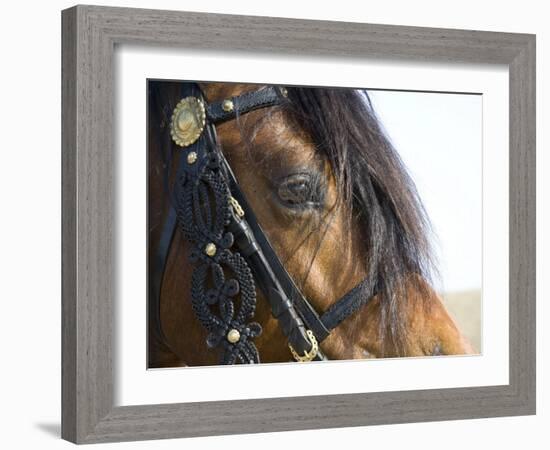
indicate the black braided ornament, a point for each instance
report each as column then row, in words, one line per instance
column 223, row 294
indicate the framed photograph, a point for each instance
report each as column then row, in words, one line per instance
column 268, row 222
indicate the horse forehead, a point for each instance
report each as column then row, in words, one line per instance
column 266, row 139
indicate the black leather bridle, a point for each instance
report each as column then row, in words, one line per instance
column 230, row 252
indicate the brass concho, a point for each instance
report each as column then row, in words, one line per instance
column 188, row 121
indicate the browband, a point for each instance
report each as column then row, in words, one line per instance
column 225, row 219
column 230, row 108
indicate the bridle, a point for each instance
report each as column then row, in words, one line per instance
column 230, row 252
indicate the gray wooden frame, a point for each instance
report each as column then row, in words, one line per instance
column 89, row 36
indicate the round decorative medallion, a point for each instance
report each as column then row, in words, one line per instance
column 188, row 121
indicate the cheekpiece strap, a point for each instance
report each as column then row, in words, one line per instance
column 223, row 293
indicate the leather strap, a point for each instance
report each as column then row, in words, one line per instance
column 282, row 307
column 350, row 303
column 167, row 234
column 242, row 104
column 155, row 286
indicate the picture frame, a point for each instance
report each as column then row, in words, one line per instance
column 89, row 37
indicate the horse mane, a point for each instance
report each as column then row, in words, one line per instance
column 381, row 197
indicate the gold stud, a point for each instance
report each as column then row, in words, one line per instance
column 210, row 249
column 191, row 157
column 233, row 336
column 227, row 105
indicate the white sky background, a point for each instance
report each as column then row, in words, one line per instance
column 439, row 138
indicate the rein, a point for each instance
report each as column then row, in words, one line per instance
column 230, row 252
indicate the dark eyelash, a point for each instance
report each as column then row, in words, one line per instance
column 301, row 191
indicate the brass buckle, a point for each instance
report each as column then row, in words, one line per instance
column 308, row 356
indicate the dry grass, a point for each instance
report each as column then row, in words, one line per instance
column 465, row 307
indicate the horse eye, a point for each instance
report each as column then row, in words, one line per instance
column 300, row 191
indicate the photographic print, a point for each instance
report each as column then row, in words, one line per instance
column 239, row 229
column 298, row 224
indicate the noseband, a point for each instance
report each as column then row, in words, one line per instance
column 230, row 252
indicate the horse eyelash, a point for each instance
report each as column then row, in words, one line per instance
column 316, row 191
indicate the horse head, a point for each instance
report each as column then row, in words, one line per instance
column 339, row 209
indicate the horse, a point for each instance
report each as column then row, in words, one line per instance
column 337, row 205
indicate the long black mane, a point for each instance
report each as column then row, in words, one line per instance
column 373, row 181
